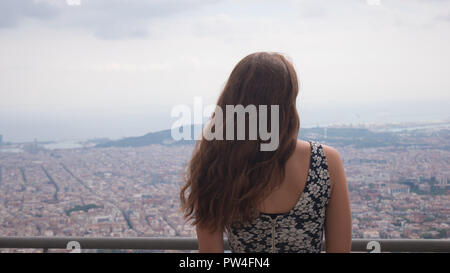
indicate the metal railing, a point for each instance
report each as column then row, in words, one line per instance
column 186, row 244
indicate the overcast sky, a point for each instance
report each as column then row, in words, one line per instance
column 131, row 61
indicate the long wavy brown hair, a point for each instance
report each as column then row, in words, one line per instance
column 226, row 180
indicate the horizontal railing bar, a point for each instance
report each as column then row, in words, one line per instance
column 153, row 243
column 188, row 243
column 404, row 245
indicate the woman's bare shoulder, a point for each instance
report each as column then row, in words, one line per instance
column 302, row 149
column 331, row 154
column 302, row 143
column 334, row 161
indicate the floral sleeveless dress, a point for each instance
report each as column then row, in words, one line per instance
column 299, row 230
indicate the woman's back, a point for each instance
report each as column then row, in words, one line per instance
column 230, row 175
column 310, row 202
column 292, row 218
column 289, row 192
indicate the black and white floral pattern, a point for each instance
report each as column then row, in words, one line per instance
column 301, row 229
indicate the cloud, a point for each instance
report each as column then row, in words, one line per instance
column 122, row 19
column 108, row 19
column 443, row 17
column 12, row 12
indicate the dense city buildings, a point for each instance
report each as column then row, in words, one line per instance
column 396, row 191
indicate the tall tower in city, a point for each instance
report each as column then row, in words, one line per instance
column 1, row 139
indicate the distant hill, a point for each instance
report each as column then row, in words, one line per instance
column 359, row 137
column 160, row 137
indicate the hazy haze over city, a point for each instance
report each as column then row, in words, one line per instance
column 102, row 68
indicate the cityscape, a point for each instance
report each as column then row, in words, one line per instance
column 399, row 188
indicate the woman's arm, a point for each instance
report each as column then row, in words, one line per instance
column 338, row 222
column 209, row 242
